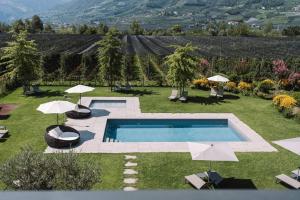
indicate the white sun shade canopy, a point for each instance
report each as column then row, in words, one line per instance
column 212, row 152
column 218, row 78
column 56, row 107
column 292, row 145
column 80, row 89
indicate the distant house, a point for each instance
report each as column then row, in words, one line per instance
column 233, row 22
column 254, row 22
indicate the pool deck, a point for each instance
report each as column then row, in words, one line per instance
column 92, row 130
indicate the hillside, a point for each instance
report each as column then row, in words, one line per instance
column 14, row 9
column 162, row 13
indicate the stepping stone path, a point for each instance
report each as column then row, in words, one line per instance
column 130, row 174
column 130, row 164
column 130, row 180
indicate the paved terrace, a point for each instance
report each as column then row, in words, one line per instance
column 92, row 130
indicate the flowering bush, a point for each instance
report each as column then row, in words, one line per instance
column 284, row 101
column 285, row 84
column 231, row 86
column 201, row 83
column 245, row 88
column 280, row 69
column 266, row 85
column 294, row 78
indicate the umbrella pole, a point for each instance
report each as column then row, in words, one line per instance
column 57, row 119
column 80, row 98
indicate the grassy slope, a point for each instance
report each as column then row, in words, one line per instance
column 165, row 170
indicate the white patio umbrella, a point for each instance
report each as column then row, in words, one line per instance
column 79, row 89
column 212, row 152
column 292, row 145
column 219, row 79
column 56, row 107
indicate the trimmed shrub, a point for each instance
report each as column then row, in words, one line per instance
column 231, row 87
column 245, row 88
column 202, row 83
column 266, row 86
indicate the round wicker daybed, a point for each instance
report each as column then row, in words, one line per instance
column 59, row 136
column 80, row 112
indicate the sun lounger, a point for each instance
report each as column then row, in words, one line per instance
column 212, row 177
column 288, row 180
column 195, row 181
column 216, row 92
column 184, row 97
column 174, row 95
column 3, row 131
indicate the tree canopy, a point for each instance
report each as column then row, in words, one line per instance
column 21, row 59
column 110, row 58
column 182, row 66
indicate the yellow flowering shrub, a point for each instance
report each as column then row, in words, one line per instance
column 244, row 86
column 266, row 85
column 284, row 101
column 231, row 86
column 203, row 82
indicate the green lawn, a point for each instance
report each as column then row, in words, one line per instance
column 164, row 170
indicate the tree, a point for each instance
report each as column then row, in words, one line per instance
column 18, row 26
column 131, row 70
column 102, row 29
column 176, row 29
column 4, row 27
column 136, row 29
column 110, row 59
column 37, row 24
column 48, row 28
column 182, row 66
column 28, row 26
column 268, row 28
column 22, row 59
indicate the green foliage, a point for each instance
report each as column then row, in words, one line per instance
column 110, row 59
column 136, row 29
column 182, row 66
column 18, row 26
column 37, row 24
column 31, row 170
column 22, row 59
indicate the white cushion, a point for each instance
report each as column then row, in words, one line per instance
column 56, row 132
column 69, row 136
column 76, row 107
column 83, row 110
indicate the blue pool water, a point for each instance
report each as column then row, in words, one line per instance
column 170, row 130
column 100, row 104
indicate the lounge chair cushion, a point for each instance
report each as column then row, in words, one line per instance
column 68, row 136
column 59, row 134
column 56, row 132
column 81, row 110
column 196, row 181
column 288, row 180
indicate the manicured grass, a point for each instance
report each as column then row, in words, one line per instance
column 164, row 170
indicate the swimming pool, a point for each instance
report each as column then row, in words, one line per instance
column 171, row 130
column 100, row 104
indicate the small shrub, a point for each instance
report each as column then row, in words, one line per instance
column 296, row 96
column 202, row 83
column 284, row 101
column 30, row 170
column 288, row 102
column 231, row 87
column 245, row 88
column 266, row 86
